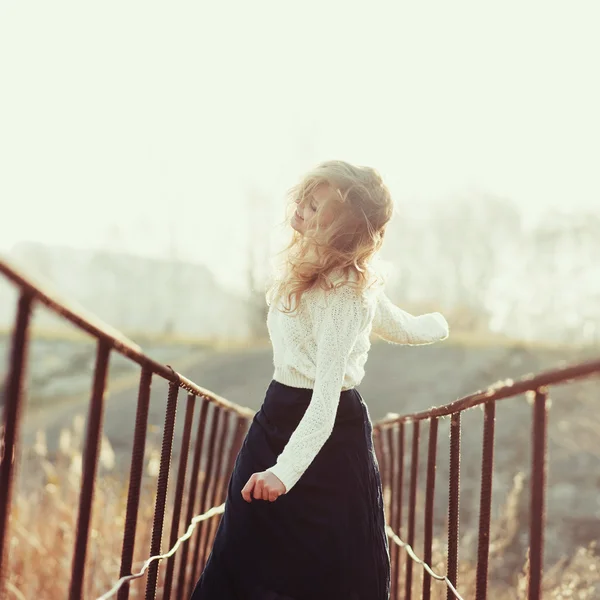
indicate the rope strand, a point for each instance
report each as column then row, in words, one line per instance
column 216, row 510
column 412, row 554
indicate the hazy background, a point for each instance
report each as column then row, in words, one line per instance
column 173, row 130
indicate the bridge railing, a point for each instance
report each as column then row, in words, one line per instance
column 221, row 426
column 392, row 450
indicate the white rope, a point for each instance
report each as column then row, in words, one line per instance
column 217, row 510
column 412, row 554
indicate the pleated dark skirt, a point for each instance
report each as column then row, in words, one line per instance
column 323, row 540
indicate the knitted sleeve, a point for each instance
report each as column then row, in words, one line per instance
column 336, row 328
column 400, row 327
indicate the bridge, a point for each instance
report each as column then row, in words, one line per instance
column 213, row 431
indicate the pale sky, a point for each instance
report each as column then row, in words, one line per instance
column 162, row 115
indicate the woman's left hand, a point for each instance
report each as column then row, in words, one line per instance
column 263, row 486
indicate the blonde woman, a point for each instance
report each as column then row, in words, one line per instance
column 304, row 516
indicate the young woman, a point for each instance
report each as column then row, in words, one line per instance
column 304, row 517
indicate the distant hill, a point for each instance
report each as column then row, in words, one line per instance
column 131, row 293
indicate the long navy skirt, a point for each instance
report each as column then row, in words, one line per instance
column 323, row 540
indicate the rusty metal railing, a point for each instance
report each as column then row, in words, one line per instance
column 219, row 434
column 390, row 436
column 220, row 429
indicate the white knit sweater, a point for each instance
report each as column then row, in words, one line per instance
column 324, row 346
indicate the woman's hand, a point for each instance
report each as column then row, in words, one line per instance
column 263, row 486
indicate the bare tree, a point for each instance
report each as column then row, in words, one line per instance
column 258, row 260
column 457, row 256
column 177, row 284
column 563, row 276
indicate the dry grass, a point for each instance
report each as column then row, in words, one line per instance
column 43, row 522
column 70, row 333
column 459, row 337
column 44, row 519
column 576, row 578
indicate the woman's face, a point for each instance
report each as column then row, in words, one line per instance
column 308, row 207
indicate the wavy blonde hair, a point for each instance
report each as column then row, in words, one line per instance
column 344, row 235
